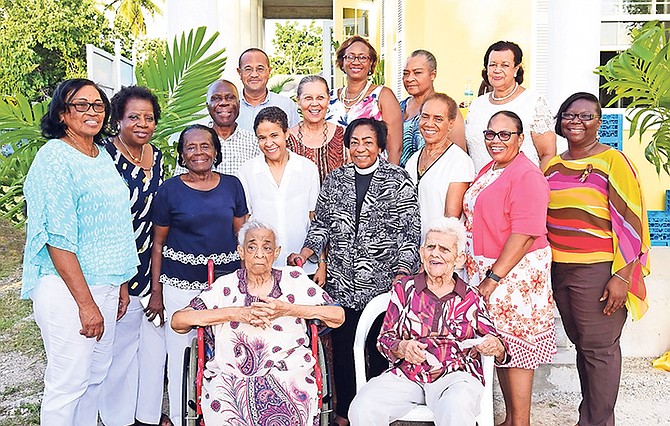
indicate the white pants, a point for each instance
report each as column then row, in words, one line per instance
column 76, row 365
column 174, row 300
column 138, row 364
column 453, row 398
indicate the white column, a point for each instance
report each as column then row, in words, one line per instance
column 574, row 48
column 239, row 23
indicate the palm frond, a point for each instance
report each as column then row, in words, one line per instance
column 180, row 79
column 642, row 74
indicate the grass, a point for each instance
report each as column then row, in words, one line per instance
column 11, row 248
column 19, row 404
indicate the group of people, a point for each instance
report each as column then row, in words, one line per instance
column 475, row 226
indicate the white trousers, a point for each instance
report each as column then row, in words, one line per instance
column 174, row 300
column 453, row 398
column 76, row 365
column 138, row 364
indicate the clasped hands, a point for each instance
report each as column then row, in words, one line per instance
column 414, row 351
column 261, row 314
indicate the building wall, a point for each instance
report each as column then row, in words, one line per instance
column 459, row 32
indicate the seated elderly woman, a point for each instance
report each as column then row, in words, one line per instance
column 429, row 317
column 262, row 371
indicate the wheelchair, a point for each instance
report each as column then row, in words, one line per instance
column 201, row 350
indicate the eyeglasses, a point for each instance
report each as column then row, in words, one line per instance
column 581, row 117
column 503, row 135
column 352, row 58
column 250, row 70
column 85, row 106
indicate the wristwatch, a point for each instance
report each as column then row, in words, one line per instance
column 491, row 275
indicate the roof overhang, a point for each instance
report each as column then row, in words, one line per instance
column 298, row 9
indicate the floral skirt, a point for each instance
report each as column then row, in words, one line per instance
column 522, row 307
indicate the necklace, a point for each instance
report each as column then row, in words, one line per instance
column 72, row 137
column 350, row 102
column 325, row 135
column 493, row 96
column 431, row 157
column 135, row 159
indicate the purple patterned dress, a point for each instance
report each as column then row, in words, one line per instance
column 260, row 376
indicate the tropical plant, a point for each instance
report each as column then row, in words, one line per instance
column 642, row 74
column 132, row 11
column 180, row 78
column 20, row 132
column 278, row 87
column 43, row 43
column 378, row 76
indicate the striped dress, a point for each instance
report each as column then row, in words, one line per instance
column 597, row 214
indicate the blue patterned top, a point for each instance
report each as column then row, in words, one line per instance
column 78, row 204
column 412, row 141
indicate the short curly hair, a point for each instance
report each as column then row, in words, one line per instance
column 273, row 114
column 120, row 101
column 213, row 136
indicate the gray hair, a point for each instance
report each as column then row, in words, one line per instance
column 430, row 58
column 447, row 226
column 311, row 79
column 255, row 224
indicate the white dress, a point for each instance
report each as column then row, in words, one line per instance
column 453, row 165
column 530, row 107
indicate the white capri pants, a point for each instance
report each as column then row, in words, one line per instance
column 174, row 300
column 453, row 398
column 76, row 365
column 133, row 388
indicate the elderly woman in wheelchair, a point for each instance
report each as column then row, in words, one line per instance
column 434, row 331
column 262, row 371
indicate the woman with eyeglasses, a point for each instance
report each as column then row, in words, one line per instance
column 598, row 231
column 509, row 258
column 80, row 251
column 360, row 98
column 504, row 73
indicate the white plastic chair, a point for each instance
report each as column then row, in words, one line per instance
column 420, row 413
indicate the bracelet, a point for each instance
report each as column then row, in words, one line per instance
column 622, row 279
column 322, row 260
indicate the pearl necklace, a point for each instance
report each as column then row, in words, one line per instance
column 493, row 96
column 353, row 101
column 136, row 160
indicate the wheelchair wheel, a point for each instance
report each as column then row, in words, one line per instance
column 327, row 387
column 188, row 405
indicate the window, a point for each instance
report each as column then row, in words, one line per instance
column 356, row 22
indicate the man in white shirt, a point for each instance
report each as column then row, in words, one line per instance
column 254, row 70
column 237, row 144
